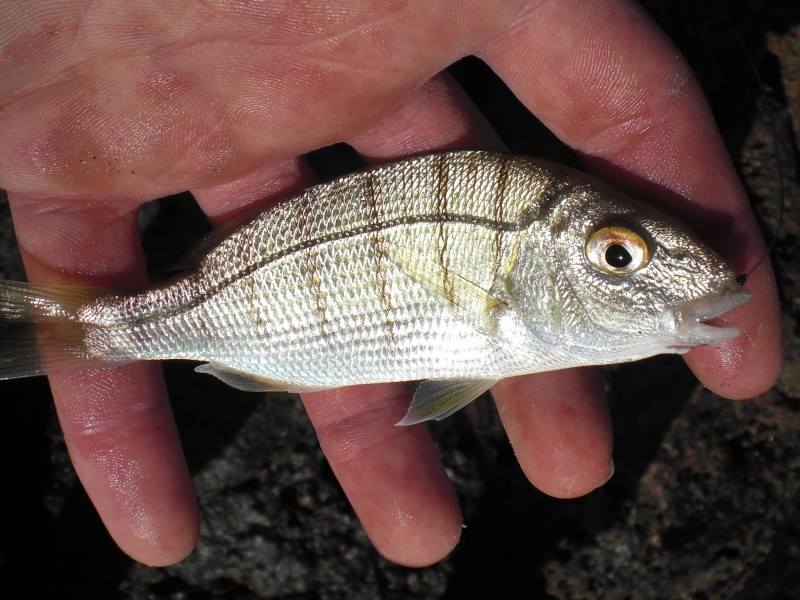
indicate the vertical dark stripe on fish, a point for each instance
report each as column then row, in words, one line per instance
column 304, row 210
column 442, row 190
column 251, row 293
column 542, row 204
column 378, row 242
column 499, row 206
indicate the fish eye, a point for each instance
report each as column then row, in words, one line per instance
column 617, row 250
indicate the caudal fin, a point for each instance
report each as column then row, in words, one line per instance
column 40, row 330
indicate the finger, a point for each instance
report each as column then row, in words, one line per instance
column 560, row 427
column 391, row 475
column 117, row 422
column 608, row 83
column 270, row 180
column 438, row 116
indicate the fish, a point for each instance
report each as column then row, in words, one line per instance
column 453, row 269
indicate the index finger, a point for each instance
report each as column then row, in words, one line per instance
column 609, row 83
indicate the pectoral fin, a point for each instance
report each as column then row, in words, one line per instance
column 436, row 400
column 468, row 300
column 248, row 382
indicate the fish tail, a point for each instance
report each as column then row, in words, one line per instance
column 40, row 329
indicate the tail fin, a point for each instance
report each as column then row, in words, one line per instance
column 40, row 330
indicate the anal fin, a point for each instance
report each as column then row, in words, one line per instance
column 248, row 382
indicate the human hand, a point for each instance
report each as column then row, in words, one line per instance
column 105, row 106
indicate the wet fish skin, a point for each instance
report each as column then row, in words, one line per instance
column 460, row 267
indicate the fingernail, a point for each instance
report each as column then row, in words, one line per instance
column 611, row 470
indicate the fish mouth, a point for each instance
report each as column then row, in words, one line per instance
column 696, row 319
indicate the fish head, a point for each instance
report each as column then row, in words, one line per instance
column 624, row 281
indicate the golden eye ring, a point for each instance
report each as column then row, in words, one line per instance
column 617, row 250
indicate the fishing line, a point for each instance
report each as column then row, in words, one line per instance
column 769, row 111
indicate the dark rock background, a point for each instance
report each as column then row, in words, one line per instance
column 705, row 502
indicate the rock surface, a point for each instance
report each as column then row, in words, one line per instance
column 704, row 503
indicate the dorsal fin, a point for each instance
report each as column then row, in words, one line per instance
column 206, row 244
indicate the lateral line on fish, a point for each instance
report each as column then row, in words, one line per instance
column 546, row 201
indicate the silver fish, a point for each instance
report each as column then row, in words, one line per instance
column 458, row 269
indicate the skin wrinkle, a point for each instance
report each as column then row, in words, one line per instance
column 369, row 33
column 407, row 129
column 639, row 115
column 69, row 239
column 108, row 28
column 15, row 88
column 102, row 420
column 228, row 199
column 348, row 439
column 299, row 20
column 603, row 135
column 91, row 412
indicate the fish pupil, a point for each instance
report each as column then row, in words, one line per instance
column 618, row 256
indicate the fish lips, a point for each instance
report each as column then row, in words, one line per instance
column 693, row 318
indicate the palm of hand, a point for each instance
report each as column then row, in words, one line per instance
column 108, row 107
